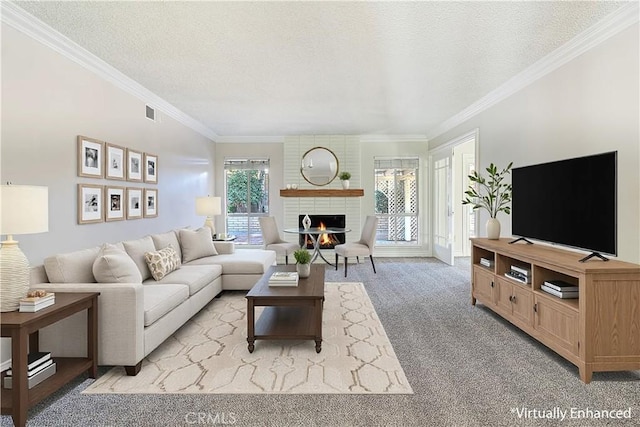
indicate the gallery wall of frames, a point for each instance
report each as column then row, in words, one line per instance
column 103, row 160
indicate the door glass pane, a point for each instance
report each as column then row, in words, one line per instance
column 396, row 201
column 247, row 194
column 440, row 198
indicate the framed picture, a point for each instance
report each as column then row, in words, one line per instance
column 150, row 203
column 134, row 203
column 150, row 168
column 134, row 165
column 90, row 204
column 114, row 203
column 90, row 157
column 114, row 161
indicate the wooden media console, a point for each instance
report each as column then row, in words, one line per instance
column 599, row 331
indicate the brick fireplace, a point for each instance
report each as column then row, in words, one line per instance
column 327, row 241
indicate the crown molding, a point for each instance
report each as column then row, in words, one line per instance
column 472, row 135
column 26, row 23
column 608, row 27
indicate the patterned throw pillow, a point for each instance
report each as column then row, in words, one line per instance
column 162, row 262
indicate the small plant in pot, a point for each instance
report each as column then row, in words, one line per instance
column 303, row 260
column 345, row 177
column 492, row 194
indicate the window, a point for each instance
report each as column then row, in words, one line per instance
column 247, row 195
column 396, row 201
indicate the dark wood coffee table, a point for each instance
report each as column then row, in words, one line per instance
column 291, row 313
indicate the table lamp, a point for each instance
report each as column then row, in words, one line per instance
column 208, row 206
column 24, row 209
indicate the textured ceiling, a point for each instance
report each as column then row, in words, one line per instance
column 281, row 68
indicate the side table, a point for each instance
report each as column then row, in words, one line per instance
column 23, row 329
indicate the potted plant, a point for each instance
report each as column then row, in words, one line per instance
column 303, row 259
column 345, row 177
column 492, row 194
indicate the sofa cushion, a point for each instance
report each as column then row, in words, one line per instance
column 73, row 267
column 169, row 238
column 162, row 262
column 136, row 250
column 114, row 265
column 242, row 261
column 161, row 299
column 196, row 244
column 195, row 277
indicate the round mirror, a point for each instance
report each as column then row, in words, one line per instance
column 319, row 166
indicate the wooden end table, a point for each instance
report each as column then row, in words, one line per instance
column 291, row 313
column 23, row 329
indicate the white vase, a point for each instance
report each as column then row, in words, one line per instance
column 304, row 270
column 345, row 184
column 306, row 222
column 493, row 229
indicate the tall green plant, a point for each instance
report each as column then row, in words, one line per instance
column 491, row 194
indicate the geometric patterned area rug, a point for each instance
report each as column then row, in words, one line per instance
column 209, row 354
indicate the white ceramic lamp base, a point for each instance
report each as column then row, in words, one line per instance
column 14, row 276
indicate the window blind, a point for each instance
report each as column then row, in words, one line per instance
column 396, row 163
column 251, row 164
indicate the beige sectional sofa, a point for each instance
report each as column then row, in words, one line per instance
column 149, row 287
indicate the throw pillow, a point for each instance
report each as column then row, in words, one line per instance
column 169, row 238
column 196, row 244
column 113, row 265
column 72, row 267
column 162, row 262
column 136, row 250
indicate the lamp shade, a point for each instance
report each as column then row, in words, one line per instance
column 208, row 206
column 24, row 209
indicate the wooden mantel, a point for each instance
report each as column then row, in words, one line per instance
column 356, row 192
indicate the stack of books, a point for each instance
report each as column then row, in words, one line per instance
column 487, row 262
column 284, row 278
column 560, row 289
column 33, row 304
column 522, row 275
column 40, row 366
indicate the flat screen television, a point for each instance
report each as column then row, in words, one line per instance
column 569, row 202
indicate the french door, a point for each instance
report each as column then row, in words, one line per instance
column 442, row 167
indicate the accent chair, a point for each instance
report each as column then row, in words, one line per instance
column 273, row 241
column 363, row 247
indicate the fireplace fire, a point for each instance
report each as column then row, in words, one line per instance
column 327, row 241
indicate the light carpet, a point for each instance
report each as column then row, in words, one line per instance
column 209, row 354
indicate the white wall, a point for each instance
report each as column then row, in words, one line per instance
column 47, row 101
column 590, row 105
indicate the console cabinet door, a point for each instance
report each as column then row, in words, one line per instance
column 483, row 285
column 503, row 292
column 556, row 323
column 522, row 304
